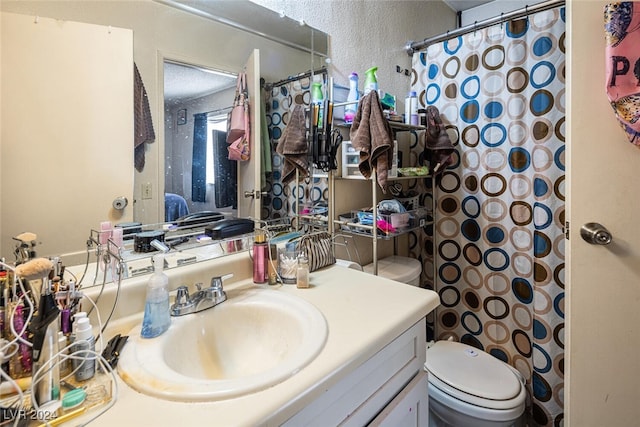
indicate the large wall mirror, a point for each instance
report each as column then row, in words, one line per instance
column 162, row 34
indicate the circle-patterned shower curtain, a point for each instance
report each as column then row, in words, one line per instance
column 499, row 236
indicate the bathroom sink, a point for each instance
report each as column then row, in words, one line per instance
column 254, row 340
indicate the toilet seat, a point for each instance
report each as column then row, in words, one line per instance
column 473, row 376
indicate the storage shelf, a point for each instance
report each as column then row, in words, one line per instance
column 366, row 230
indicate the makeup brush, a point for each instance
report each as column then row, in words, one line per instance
column 35, row 269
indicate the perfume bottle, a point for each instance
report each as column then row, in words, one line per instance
column 260, row 258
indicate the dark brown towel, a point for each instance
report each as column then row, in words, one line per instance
column 438, row 142
column 372, row 136
column 293, row 147
column 142, row 123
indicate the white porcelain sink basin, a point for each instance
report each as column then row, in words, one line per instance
column 254, row 340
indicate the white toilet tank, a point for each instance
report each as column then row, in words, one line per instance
column 399, row 268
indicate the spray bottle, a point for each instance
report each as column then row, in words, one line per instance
column 352, row 98
column 370, row 80
column 317, row 97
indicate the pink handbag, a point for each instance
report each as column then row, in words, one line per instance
column 236, row 120
column 240, row 149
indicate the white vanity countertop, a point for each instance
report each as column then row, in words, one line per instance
column 363, row 313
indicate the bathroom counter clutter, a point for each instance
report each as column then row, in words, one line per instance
column 363, row 314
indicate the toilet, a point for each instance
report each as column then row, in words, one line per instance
column 470, row 388
column 399, row 268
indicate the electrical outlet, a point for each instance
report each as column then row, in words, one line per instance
column 147, row 191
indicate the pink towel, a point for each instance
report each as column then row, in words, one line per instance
column 622, row 31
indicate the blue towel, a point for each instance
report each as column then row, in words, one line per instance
column 175, row 206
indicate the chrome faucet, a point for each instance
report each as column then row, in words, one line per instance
column 201, row 300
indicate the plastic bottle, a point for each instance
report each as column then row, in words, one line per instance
column 411, row 109
column 156, row 311
column 84, row 362
column 354, row 95
column 260, row 257
column 370, row 80
column 317, row 97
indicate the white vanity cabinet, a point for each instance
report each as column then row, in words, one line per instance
column 389, row 387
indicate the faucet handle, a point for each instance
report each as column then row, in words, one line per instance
column 182, row 296
column 216, row 282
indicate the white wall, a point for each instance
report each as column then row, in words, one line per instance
column 493, row 9
column 366, row 33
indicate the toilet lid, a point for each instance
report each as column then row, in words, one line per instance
column 472, row 371
column 399, row 268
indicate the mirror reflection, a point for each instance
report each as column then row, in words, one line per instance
column 180, row 36
column 199, row 177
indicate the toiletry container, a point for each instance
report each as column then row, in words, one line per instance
column 399, row 268
column 351, row 108
column 303, row 271
column 260, row 258
column 157, row 318
column 317, row 97
column 370, row 80
column 411, row 109
column 83, row 350
column 470, row 388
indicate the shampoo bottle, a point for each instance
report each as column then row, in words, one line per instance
column 83, row 350
column 370, row 80
column 156, row 310
column 352, row 98
column 411, row 109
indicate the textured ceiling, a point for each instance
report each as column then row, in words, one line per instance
column 461, row 5
column 185, row 82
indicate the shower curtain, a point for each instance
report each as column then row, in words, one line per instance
column 498, row 236
column 282, row 200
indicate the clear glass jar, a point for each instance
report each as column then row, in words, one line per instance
column 303, row 272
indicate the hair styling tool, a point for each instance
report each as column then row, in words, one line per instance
column 315, row 143
column 48, row 311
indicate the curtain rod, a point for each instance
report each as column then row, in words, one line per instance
column 412, row 47
column 219, row 110
column 297, row 77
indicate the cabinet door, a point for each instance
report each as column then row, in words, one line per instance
column 410, row 408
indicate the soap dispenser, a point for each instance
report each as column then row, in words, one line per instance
column 156, row 310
